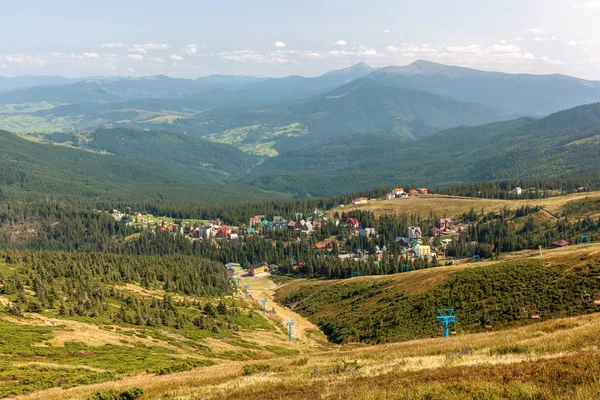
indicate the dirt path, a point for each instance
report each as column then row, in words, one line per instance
column 304, row 332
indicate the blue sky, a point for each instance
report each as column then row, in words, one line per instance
column 278, row 38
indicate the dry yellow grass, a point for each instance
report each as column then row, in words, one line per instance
column 305, row 333
column 571, row 338
column 90, row 334
column 452, row 206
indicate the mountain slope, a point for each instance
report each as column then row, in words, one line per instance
column 297, row 87
column 47, row 170
column 178, row 149
column 359, row 107
column 564, row 144
column 221, row 88
column 25, row 81
column 368, row 106
column 523, row 94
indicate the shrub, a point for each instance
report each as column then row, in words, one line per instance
column 251, row 369
column 129, row 394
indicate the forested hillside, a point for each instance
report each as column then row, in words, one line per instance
column 564, row 144
column 500, row 294
column 42, row 169
column 520, row 94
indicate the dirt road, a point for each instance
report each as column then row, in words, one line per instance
column 304, row 332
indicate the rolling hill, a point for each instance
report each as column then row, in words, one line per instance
column 361, row 106
column 189, row 173
column 561, row 145
column 520, row 94
column 231, row 88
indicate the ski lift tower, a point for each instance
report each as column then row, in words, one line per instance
column 290, row 324
column 446, row 316
column 246, row 287
column 264, row 306
column 239, row 285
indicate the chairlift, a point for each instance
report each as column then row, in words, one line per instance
column 453, row 332
column 585, row 297
column 488, row 324
column 536, row 314
column 597, row 299
column 524, row 313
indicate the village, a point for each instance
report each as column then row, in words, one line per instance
column 346, row 237
column 412, row 242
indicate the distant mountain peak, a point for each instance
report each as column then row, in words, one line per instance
column 425, row 67
column 356, row 70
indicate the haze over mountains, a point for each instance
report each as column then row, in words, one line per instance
column 348, row 129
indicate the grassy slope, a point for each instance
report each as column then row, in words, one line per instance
column 404, row 306
column 55, row 170
column 547, row 360
column 452, row 206
column 44, row 350
column 561, row 145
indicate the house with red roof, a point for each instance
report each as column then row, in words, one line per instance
column 254, row 221
column 352, row 224
column 222, row 232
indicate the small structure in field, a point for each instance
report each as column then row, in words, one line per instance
column 560, row 243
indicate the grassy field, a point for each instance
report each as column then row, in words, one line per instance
column 258, row 139
column 41, row 350
column 549, row 360
column 403, row 306
column 451, row 206
column 57, row 358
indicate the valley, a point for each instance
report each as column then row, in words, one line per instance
column 532, row 353
column 235, row 236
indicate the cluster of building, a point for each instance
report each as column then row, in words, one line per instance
column 259, row 224
column 400, row 193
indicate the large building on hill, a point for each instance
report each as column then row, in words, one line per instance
column 258, row 268
column 414, row 232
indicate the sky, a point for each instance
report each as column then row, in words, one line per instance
column 308, row 37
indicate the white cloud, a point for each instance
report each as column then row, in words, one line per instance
column 503, row 41
column 518, row 38
column 20, row 58
column 552, row 61
column 387, row 30
column 585, row 42
column 176, row 57
column 189, row 49
column 279, row 44
column 112, row 45
column 136, row 57
column 254, row 57
column 544, row 38
column 79, row 56
column 151, row 46
column 371, row 53
column 130, row 69
column 479, row 54
column 411, row 48
column 341, row 43
column 138, row 50
column 158, row 59
column 534, row 31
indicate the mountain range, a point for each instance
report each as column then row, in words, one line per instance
column 349, row 129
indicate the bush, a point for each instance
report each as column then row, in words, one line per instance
column 129, row 394
column 251, row 369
